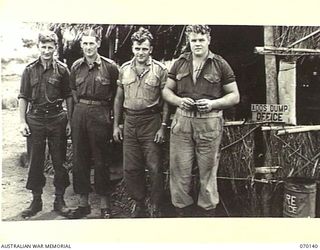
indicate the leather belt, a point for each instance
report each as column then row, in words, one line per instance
column 147, row 111
column 43, row 111
column 93, row 102
column 197, row 114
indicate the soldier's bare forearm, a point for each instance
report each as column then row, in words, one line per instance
column 117, row 108
column 23, row 105
column 165, row 113
column 69, row 102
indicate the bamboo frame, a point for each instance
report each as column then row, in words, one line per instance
column 283, row 51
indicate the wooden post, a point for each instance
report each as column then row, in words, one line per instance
column 270, row 67
column 271, row 98
column 271, row 83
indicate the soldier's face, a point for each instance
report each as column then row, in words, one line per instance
column 47, row 50
column 199, row 44
column 142, row 51
column 90, row 46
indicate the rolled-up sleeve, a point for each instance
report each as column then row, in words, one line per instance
column 114, row 73
column 25, row 87
column 119, row 81
column 228, row 75
column 114, row 76
column 173, row 71
column 163, row 78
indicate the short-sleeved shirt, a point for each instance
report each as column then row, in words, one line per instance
column 97, row 82
column 144, row 90
column 215, row 73
column 45, row 86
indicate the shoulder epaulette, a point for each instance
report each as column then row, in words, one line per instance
column 160, row 64
column 77, row 63
column 107, row 60
column 32, row 63
column 184, row 56
column 125, row 64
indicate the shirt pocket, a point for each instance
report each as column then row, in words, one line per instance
column 128, row 81
column 53, row 87
column 184, row 82
column 102, row 80
column 180, row 76
column 211, row 86
column 102, row 87
column 151, row 88
column 35, row 87
column 213, row 79
column 55, row 82
column 128, row 86
column 152, row 82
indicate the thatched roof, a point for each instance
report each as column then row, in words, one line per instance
column 302, row 37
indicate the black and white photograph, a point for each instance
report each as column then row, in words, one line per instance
column 189, row 122
column 160, row 121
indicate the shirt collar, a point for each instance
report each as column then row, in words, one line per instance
column 133, row 62
column 188, row 56
column 53, row 63
column 97, row 61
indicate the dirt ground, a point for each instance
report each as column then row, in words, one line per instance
column 15, row 197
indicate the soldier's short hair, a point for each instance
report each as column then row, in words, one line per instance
column 48, row 36
column 199, row 29
column 92, row 32
column 142, row 35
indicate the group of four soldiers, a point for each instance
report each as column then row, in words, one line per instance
column 200, row 84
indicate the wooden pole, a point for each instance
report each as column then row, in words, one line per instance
column 270, row 68
column 271, row 84
column 304, row 38
column 285, row 51
column 271, row 98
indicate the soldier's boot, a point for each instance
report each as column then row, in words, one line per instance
column 184, row 211
column 34, row 208
column 208, row 213
column 139, row 210
column 82, row 210
column 180, row 212
column 60, row 206
column 155, row 211
column 105, row 206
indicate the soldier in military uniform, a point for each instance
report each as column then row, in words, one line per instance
column 44, row 86
column 139, row 96
column 201, row 85
column 93, row 83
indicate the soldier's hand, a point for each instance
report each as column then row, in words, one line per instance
column 25, row 130
column 186, row 103
column 160, row 135
column 204, row 105
column 68, row 129
column 117, row 134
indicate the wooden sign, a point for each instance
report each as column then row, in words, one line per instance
column 270, row 113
